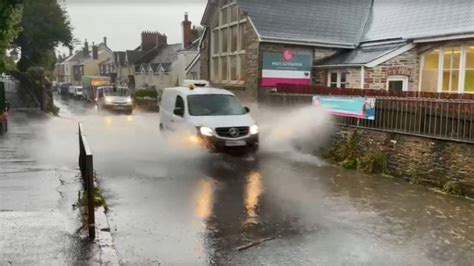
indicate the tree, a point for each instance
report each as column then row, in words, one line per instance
column 45, row 25
column 10, row 18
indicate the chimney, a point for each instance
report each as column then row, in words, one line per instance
column 86, row 47
column 71, row 51
column 162, row 40
column 187, row 38
column 95, row 52
column 149, row 40
column 105, row 41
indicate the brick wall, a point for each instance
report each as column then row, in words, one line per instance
column 420, row 160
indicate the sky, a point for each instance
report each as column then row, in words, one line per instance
column 122, row 21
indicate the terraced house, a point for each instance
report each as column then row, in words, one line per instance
column 399, row 45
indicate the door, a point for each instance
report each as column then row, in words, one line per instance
column 178, row 113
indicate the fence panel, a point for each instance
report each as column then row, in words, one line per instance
column 440, row 118
column 86, row 165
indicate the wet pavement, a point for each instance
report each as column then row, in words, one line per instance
column 38, row 188
column 172, row 203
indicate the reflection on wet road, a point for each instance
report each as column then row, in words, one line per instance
column 176, row 204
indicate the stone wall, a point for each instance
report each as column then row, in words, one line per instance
column 353, row 76
column 205, row 56
column 442, row 164
column 406, row 64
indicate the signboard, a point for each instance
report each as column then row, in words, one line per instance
column 358, row 107
column 290, row 67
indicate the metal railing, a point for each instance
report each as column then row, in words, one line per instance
column 86, row 164
column 447, row 119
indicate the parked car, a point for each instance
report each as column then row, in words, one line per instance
column 71, row 90
column 214, row 115
column 115, row 99
column 78, row 91
column 64, row 88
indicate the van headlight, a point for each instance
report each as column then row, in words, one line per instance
column 254, row 130
column 108, row 100
column 205, row 131
column 129, row 100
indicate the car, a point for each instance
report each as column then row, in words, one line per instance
column 214, row 115
column 78, row 91
column 115, row 99
column 71, row 90
column 63, row 88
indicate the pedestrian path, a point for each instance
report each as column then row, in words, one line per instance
column 38, row 222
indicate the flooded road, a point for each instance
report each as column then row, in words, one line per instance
column 176, row 204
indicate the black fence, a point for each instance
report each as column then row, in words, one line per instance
column 86, row 164
column 439, row 118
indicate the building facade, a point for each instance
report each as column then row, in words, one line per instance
column 251, row 46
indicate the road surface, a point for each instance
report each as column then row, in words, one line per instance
column 172, row 203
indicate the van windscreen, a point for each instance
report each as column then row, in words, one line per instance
column 214, row 105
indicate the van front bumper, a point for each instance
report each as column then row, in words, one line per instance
column 250, row 142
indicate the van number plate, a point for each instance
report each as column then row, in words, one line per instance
column 235, row 143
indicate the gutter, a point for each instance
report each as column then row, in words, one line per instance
column 307, row 43
column 444, row 38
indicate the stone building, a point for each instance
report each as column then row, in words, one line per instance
column 400, row 45
column 155, row 63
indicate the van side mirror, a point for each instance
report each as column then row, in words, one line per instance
column 247, row 110
column 178, row 111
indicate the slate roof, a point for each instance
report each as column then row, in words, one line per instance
column 133, row 56
column 167, row 54
column 360, row 56
column 414, row 19
column 347, row 23
column 323, row 22
column 79, row 56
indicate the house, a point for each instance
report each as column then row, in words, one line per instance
column 155, row 63
column 84, row 63
column 401, row 45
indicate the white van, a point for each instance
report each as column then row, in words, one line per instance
column 215, row 115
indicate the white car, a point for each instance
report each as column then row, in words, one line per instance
column 71, row 90
column 214, row 115
column 78, row 91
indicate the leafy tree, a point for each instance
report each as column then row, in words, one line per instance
column 45, row 26
column 10, row 18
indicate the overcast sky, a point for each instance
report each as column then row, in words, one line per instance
column 122, row 21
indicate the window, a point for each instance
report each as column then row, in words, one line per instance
column 397, row 83
column 228, row 50
column 338, row 79
column 179, row 105
column 214, row 105
column 448, row 69
column 469, row 76
column 429, row 74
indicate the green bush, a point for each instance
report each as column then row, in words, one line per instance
column 374, row 162
column 142, row 94
column 453, row 187
column 350, row 152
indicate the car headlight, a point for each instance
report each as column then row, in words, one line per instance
column 129, row 100
column 254, row 130
column 108, row 100
column 205, row 131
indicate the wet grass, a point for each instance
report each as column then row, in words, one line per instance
column 99, row 200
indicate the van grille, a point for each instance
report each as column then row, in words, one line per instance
column 226, row 132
